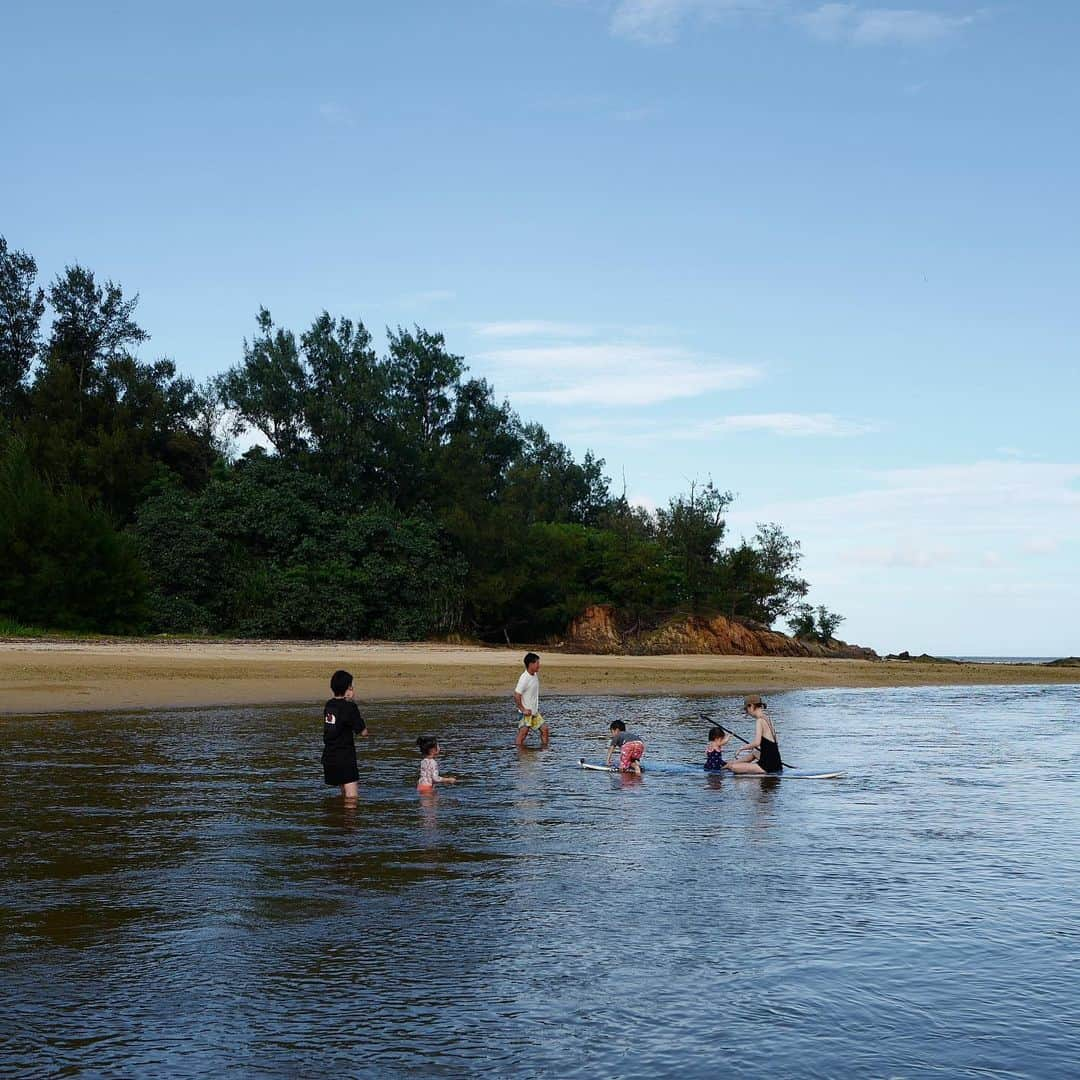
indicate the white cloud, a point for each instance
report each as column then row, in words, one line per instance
column 657, row 22
column 428, row 296
column 1017, row 453
column 644, row 502
column 941, row 558
column 879, row 26
column 909, row 554
column 916, row 517
column 532, row 328
column 1041, row 545
column 619, row 374
column 787, row 424
column 333, row 112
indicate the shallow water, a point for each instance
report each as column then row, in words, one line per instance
column 182, row 896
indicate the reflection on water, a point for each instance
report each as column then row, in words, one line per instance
column 182, row 896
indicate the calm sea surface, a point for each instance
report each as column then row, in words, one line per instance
column 181, row 896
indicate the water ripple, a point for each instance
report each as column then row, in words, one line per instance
column 181, row 896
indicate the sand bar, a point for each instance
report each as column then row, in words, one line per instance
column 61, row 676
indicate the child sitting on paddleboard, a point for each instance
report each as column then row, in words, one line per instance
column 718, row 738
column 429, row 765
column 631, row 748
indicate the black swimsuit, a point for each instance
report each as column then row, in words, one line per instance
column 769, row 756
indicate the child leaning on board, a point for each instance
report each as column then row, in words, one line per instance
column 631, row 748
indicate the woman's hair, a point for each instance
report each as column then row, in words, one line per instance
column 716, row 733
column 427, row 743
column 616, row 725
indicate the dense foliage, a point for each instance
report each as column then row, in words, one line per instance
column 397, row 497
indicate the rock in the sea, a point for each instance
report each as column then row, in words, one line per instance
column 922, row 658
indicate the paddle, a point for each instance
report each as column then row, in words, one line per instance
column 708, row 719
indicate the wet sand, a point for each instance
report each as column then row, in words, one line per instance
column 42, row 677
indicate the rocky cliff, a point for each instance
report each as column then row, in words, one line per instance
column 600, row 630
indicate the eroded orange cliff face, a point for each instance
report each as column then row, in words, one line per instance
column 600, row 630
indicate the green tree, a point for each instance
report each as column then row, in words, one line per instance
column 545, row 483
column 780, row 557
column 193, row 573
column 814, row 625
column 692, row 529
column 757, row 580
column 346, row 407
column 828, row 622
column 92, row 326
column 423, row 379
column 269, row 388
column 97, row 417
column 22, row 306
column 62, row 564
column 270, row 550
column 801, row 622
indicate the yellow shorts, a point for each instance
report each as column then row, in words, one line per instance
column 534, row 721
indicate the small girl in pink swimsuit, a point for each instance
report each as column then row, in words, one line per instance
column 429, row 765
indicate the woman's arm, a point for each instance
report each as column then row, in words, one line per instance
column 755, row 742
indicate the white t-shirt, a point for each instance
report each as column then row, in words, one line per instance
column 528, row 686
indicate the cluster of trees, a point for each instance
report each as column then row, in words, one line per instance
column 397, row 497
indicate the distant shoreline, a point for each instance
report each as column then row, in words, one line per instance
column 44, row 677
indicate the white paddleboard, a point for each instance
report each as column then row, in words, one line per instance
column 691, row 770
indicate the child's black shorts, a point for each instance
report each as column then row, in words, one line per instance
column 340, row 768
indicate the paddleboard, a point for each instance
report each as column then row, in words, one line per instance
column 694, row 770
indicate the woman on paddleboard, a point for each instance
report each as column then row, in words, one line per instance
column 764, row 744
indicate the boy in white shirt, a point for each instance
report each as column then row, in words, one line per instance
column 527, row 699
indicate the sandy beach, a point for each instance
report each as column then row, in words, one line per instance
column 44, row 677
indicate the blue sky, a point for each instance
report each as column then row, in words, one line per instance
column 823, row 253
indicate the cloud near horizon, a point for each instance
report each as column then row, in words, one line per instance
column 953, row 515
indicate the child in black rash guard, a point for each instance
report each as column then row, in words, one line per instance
column 341, row 721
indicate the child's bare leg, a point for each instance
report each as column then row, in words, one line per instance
column 351, row 791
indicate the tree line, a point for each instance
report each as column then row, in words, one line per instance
column 397, row 498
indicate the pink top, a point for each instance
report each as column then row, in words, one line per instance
column 429, row 772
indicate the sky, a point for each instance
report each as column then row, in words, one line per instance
column 823, row 254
